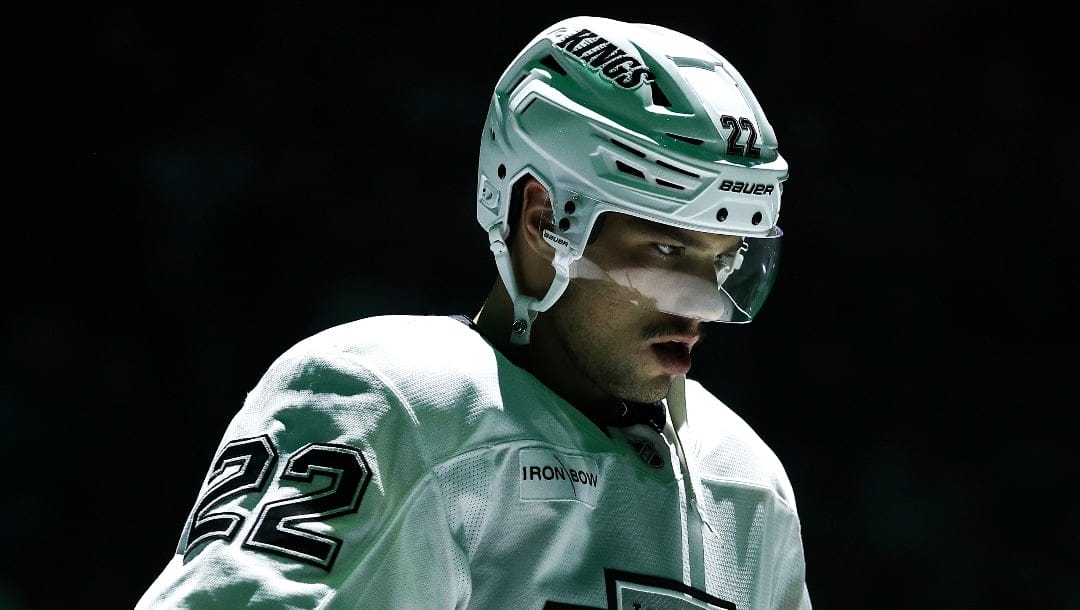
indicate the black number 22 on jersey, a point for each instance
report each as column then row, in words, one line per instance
column 245, row 465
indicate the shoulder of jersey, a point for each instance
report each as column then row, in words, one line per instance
column 438, row 350
column 428, row 376
column 398, row 339
column 729, row 448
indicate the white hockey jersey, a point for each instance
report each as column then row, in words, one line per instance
column 402, row 462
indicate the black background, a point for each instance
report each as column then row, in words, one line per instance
column 198, row 188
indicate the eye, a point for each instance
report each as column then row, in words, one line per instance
column 667, row 249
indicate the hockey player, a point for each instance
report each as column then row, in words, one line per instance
column 548, row 452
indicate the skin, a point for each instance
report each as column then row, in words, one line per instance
column 593, row 347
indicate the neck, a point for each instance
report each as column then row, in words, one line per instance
column 545, row 358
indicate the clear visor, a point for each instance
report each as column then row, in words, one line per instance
column 692, row 274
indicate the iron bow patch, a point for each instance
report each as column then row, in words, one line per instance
column 548, row 475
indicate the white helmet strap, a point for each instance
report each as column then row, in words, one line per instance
column 526, row 307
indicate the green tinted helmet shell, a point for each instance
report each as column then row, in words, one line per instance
column 626, row 117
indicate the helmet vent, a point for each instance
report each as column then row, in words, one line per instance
column 687, row 139
column 551, row 63
column 658, row 96
column 676, row 169
column 628, row 148
column 626, row 169
column 678, row 187
column 639, row 153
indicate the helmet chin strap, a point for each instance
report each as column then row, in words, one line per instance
column 676, row 402
column 526, row 307
column 696, row 524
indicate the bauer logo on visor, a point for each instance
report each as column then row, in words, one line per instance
column 614, row 63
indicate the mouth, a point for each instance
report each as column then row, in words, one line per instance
column 673, row 353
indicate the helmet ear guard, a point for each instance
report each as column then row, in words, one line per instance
column 526, row 307
column 630, row 118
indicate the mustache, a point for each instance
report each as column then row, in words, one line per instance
column 678, row 326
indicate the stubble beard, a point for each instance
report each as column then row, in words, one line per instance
column 591, row 353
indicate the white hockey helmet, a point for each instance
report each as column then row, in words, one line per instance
column 639, row 119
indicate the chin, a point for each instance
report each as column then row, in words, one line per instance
column 648, row 391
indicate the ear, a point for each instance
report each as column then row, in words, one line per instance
column 535, row 216
column 531, row 255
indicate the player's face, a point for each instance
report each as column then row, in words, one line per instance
column 624, row 349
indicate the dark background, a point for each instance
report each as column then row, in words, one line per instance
column 199, row 188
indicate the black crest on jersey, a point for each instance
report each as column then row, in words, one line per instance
column 611, row 61
column 616, row 593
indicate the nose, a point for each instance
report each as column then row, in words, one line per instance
column 697, row 299
column 685, row 294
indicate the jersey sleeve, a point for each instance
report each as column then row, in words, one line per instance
column 319, row 495
column 788, row 569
